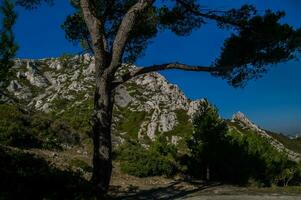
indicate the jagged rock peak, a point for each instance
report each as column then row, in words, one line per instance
column 239, row 116
column 242, row 118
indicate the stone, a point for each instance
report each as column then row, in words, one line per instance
column 122, row 97
column 14, row 86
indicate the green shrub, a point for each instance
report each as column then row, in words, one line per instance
column 235, row 155
column 15, row 128
column 207, row 144
column 34, row 130
column 81, row 164
column 158, row 160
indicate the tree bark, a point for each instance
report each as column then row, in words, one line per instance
column 101, row 127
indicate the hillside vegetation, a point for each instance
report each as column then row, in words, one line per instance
column 157, row 131
column 230, row 155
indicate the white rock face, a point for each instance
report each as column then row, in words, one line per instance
column 122, row 97
column 19, row 91
column 194, row 106
column 167, row 121
column 34, row 77
column 240, row 117
column 74, row 81
column 56, row 65
column 14, row 86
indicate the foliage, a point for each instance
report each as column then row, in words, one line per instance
column 159, row 159
column 293, row 144
column 78, row 116
column 13, row 128
column 263, row 41
column 257, row 40
column 34, row 130
column 31, row 4
column 182, row 129
column 130, row 122
column 65, row 59
column 8, row 46
column 234, row 155
column 184, row 126
column 207, row 141
column 81, row 164
column 257, row 158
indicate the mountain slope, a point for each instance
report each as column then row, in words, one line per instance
column 144, row 107
column 241, row 123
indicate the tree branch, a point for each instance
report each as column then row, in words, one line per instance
column 162, row 67
column 124, row 31
column 209, row 15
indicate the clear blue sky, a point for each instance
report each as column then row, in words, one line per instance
column 273, row 102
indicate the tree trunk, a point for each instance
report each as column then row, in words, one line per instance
column 101, row 126
column 207, row 173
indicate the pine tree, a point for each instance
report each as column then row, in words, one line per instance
column 208, row 139
column 8, row 47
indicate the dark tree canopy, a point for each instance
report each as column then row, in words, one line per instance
column 31, row 4
column 262, row 41
column 257, row 40
column 8, row 46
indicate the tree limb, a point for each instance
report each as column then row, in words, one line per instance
column 209, row 15
column 162, row 67
column 124, row 31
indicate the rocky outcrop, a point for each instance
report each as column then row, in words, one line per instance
column 47, row 84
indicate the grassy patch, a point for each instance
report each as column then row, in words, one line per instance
column 130, row 122
column 275, row 189
column 34, row 130
column 81, row 164
column 183, row 129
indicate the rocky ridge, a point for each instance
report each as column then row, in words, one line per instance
column 245, row 123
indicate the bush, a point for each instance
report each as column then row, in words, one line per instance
column 158, row 160
column 34, row 130
column 231, row 155
column 207, row 144
column 15, row 128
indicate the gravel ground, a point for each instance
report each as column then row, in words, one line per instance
column 241, row 197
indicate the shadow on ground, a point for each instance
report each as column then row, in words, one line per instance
column 26, row 176
column 171, row 191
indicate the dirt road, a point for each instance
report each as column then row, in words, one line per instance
column 240, row 197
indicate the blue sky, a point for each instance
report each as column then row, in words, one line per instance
column 273, row 102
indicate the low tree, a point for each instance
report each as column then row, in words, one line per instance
column 208, row 140
column 8, row 47
column 117, row 31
